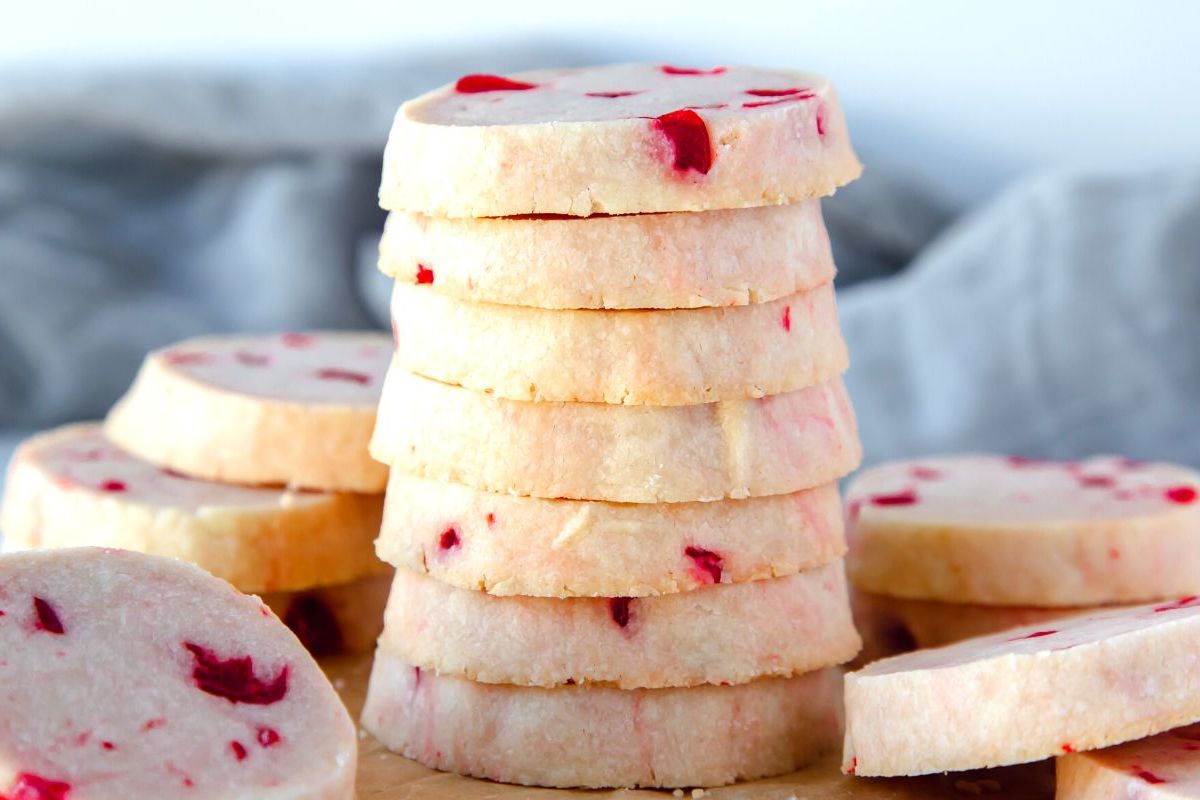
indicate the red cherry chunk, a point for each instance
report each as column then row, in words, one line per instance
column 906, row 498
column 46, row 618
column 690, row 142
column 618, row 609
column 449, row 539
column 708, row 563
column 233, row 678
column 475, row 84
column 424, row 274
column 349, row 376
column 28, row 786
column 1182, row 495
column 670, row 70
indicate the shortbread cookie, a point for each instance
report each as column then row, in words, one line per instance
column 1163, row 767
column 894, row 625
column 661, row 358
column 126, row 675
column 732, row 633
column 1023, row 695
column 73, row 487
column 958, row 529
column 593, row 737
column 296, row 409
column 619, row 139
column 506, row 545
column 328, row 620
column 719, row 258
column 635, row 454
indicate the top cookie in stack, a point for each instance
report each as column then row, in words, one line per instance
column 616, row 422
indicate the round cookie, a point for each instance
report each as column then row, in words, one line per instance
column 619, row 139
column 1163, row 767
column 295, row 409
column 127, row 675
column 342, row 618
column 1023, row 695
column 599, row 737
column 72, row 486
column 511, row 545
column 631, row 454
column 726, row 634
column 957, row 529
column 894, row 625
column 717, row 258
column 661, row 358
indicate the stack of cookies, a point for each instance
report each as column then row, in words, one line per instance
column 244, row 455
column 943, row 549
column 615, row 423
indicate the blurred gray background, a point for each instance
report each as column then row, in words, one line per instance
column 1020, row 264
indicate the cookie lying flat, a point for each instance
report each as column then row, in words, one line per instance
column 1163, row 767
column 126, row 675
column 718, row 258
column 329, row 620
column 894, row 625
column 594, row 737
column 727, row 634
column 1026, row 694
column 293, row 409
column 635, row 454
column 506, row 545
column 958, row 529
column 619, row 139
column 73, row 487
column 662, row 358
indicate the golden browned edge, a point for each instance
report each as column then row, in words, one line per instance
column 385, row 776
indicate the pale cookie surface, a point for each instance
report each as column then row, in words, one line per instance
column 510, row 545
column 725, row 634
column 73, row 487
column 1023, row 695
column 341, row 618
column 618, row 139
column 1163, row 767
column 662, row 358
column 295, row 409
column 1105, row 530
column 718, row 258
column 596, row 737
column 894, row 625
column 126, row 675
column 636, row 454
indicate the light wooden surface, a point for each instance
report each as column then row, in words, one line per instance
column 385, row 776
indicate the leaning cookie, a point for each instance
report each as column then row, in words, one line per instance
column 73, row 487
column 127, row 675
column 619, row 139
column 663, row 358
column 294, row 409
column 1017, row 696
column 599, row 737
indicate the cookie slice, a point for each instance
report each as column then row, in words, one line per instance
column 1026, row 694
column 661, row 358
column 127, row 675
column 598, row 737
column 1163, row 767
column 726, row 634
column 72, row 486
column 294, row 409
column 510, row 545
column 620, row 139
column 719, row 258
column 1078, row 533
column 627, row 454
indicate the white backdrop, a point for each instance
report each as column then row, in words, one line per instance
column 988, row 89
